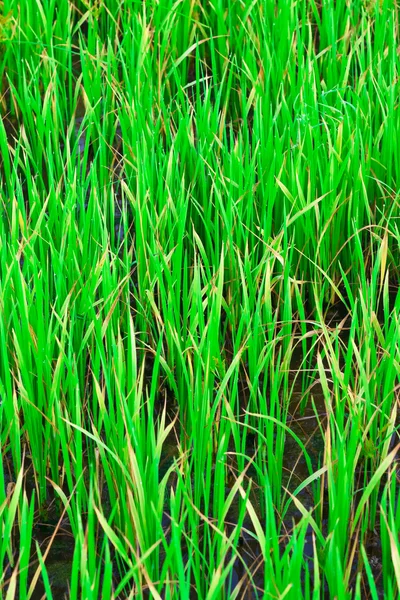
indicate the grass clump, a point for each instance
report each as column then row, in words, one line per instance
column 199, row 301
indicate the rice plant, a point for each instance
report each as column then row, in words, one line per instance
column 199, row 300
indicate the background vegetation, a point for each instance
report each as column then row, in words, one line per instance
column 199, row 307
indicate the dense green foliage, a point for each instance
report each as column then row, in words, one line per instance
column 186, row 190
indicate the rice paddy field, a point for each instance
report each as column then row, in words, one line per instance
column 199, row 299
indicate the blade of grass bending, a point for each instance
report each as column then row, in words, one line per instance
column 103, row 445
column 385, row 464
column 188, row 51
column 307, row 515
column 302, row 486
column 139, row 561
